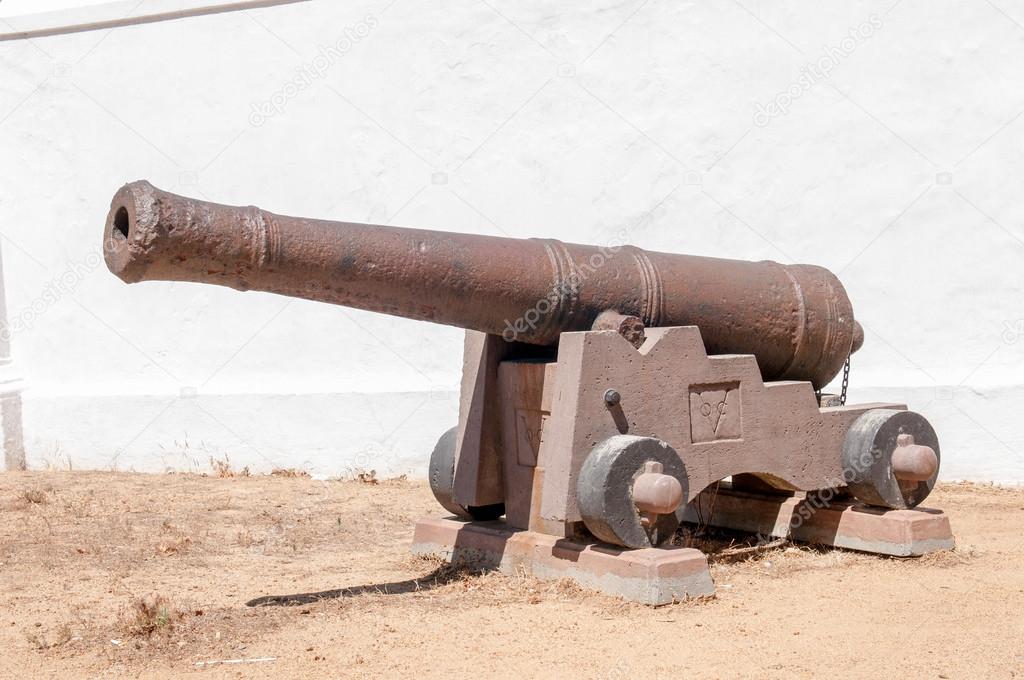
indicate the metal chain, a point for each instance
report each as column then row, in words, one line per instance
column 846, row 382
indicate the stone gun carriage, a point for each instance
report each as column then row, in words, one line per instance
column 605, row 391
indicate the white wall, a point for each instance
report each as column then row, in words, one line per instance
column 11, row 8
column 899, row 171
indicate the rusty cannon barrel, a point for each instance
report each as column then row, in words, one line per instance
column 796, row 319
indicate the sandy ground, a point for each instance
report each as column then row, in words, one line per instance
column 123, row 575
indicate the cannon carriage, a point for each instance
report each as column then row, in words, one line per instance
column 604, row 390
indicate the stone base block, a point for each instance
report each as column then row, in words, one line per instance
column 841, row 523
column 651, row 576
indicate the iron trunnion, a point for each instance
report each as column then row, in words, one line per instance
column 603, row 389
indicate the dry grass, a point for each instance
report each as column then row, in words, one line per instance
column 41, row 639
column 73, row 566
column 245, row 539
column 152, row 613
column 35, row 496
column 483, row 587
column 367, row 477
column 222, row 468
column 961, row 555
column 174, row 546
column 288, row 472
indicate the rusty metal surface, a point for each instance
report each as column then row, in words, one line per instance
column 796, row 319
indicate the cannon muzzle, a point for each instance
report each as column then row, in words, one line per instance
column 796, row 319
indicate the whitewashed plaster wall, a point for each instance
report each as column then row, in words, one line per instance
column 706, row 128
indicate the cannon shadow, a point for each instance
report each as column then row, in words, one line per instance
column 441, row 576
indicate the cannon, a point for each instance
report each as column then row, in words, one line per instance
column 606, row 392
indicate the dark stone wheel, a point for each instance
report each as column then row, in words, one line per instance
column 604, row 490
column 442, row 481
column 868, row 458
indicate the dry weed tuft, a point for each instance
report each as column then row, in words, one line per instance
column 174, row 546
column 948, row 558
column 246, row 539
column 368, row 477
column 42, row 640
column 288, row 472
column 150, row 614
column 35, row 496
column 223, row 469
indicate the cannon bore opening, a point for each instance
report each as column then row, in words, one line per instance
column 121, row 226
column 121, row 223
